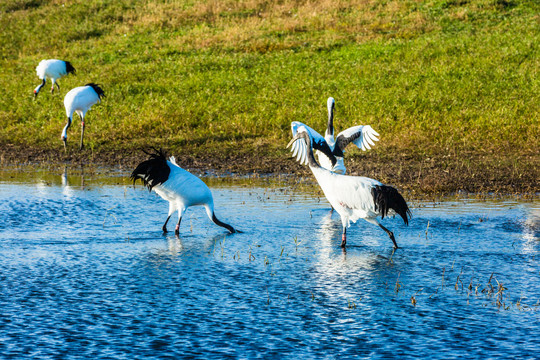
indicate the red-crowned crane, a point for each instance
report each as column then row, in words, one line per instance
column 353, row 197
column 79, row 100
column 176, row 185
column 363, row 136
column 52, row 69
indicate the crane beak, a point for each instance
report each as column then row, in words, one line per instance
column 35, row 94
column 64, row 139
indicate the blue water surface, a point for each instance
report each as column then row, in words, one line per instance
column 86, row 272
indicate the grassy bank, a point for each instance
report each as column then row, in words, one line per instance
column 454, row 84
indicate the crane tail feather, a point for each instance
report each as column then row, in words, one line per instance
column 154, row 171
column 69, row 68
column 388, row 198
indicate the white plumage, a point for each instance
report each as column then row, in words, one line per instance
column 52, row 69
column 353, row 197
column 330, row 151
column 79, row 100
column 176, row 185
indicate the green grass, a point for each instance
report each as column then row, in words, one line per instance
column 432, row 77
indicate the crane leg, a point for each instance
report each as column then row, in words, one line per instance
column 58, row 86
column 82, row 134
column 177, row 229
column 344, row 238
column 165, row 225
column 391, row 234
column 181, row 211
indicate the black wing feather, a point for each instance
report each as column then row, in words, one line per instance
column 154, row 171
column 342, row 142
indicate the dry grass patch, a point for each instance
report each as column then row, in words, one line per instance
column 256, row 25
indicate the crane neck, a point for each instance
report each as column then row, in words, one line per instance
column 330, row 126
column 64, row 131
column 38, row 88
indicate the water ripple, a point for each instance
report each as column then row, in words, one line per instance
column 87, row 273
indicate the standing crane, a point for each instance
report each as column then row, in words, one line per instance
column 353, row 197
column 52, row 69
column 176, row 185
column 79, row 100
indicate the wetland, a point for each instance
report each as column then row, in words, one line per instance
column 87, row 272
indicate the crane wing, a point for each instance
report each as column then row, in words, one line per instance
column 315, row 136
column 299, row 147
column 299, row 150
column 317, row 141
column 51, row 68
column 362, row 136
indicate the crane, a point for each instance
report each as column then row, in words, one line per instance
column 176, row 185
column 79, row 100
column 52, row 69
column 353, row 197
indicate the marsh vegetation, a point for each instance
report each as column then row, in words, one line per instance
column 451, row 86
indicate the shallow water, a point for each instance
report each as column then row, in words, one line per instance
column 87, row 273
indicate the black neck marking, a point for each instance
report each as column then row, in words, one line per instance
column 330, row 127
column 222, row 224
column 40, row 86
column 323, row 147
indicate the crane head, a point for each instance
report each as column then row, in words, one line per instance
column 330, row 104
column 64, row 133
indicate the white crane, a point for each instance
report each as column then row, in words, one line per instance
column 363, row 136
column 80, row 100
column 353, row 197
column 176, row 185
column 52, row 69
